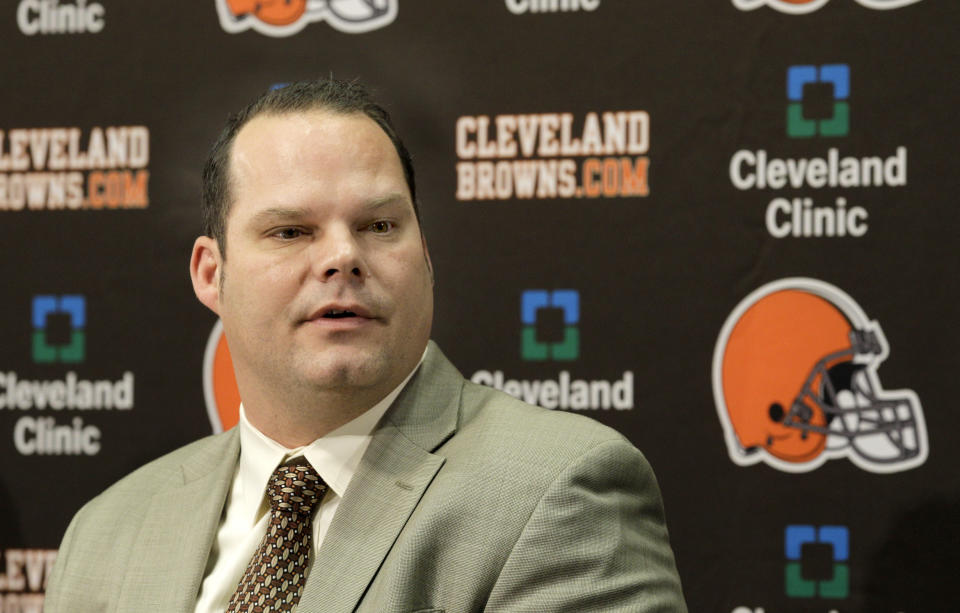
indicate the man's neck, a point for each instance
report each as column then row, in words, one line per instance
column 294, row 424
column 294, row 420
column 297, row 417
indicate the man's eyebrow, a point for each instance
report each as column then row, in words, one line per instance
column 391, row 198
column 287, row 214
column 274, row 214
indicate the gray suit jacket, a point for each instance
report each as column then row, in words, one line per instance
column 466, row 500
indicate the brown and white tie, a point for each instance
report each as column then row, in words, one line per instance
column 273, row 580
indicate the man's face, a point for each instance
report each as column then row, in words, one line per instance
column 327, row 284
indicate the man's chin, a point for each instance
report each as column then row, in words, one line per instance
column 348, row 370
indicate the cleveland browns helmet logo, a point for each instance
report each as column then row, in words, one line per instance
column 287, row 17
column 795, row 384
column 799, row 7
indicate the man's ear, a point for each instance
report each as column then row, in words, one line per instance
column 205, row 263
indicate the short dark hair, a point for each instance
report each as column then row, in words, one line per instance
column 329, row 94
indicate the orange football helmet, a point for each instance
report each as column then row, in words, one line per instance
column 795, row 383
column 273, row 12
column 287, row 17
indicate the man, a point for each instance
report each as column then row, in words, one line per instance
column 423, row 492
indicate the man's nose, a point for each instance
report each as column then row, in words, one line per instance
column 338, row 255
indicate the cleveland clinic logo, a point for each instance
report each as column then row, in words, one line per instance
column 55, row 412
column 519, row 7
column 550, row 321
column 58, row 328
column 51, row 17
column 287, row 17
column 550, row 332
column 817, row 561
column 817, row 100
column 800, row 7
column 817, row 107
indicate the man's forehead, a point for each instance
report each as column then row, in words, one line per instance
column 275, row 130
column 289, row 131
column 271, row 143
column 280, row 125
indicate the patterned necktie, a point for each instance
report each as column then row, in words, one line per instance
column 275, row 575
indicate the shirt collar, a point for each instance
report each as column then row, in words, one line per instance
column 335, row 456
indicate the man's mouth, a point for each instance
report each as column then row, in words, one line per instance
column 342, row 312
column 338, row 314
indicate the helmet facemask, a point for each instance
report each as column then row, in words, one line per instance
column 878, row 426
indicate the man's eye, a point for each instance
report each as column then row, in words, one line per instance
column 380, row 227
column 288, row 233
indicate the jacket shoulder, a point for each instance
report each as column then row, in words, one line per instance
column 167, row 470
column 483, row 406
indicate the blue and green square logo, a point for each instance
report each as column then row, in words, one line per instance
column 58, row 328
column 550, row 321
column 817, row 561
column 817, row 100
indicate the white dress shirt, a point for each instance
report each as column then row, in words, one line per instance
column 335, row 457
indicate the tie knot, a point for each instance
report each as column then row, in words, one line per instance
column 295, row 487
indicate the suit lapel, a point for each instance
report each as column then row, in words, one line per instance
column 178, row 532
column 395, row 471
